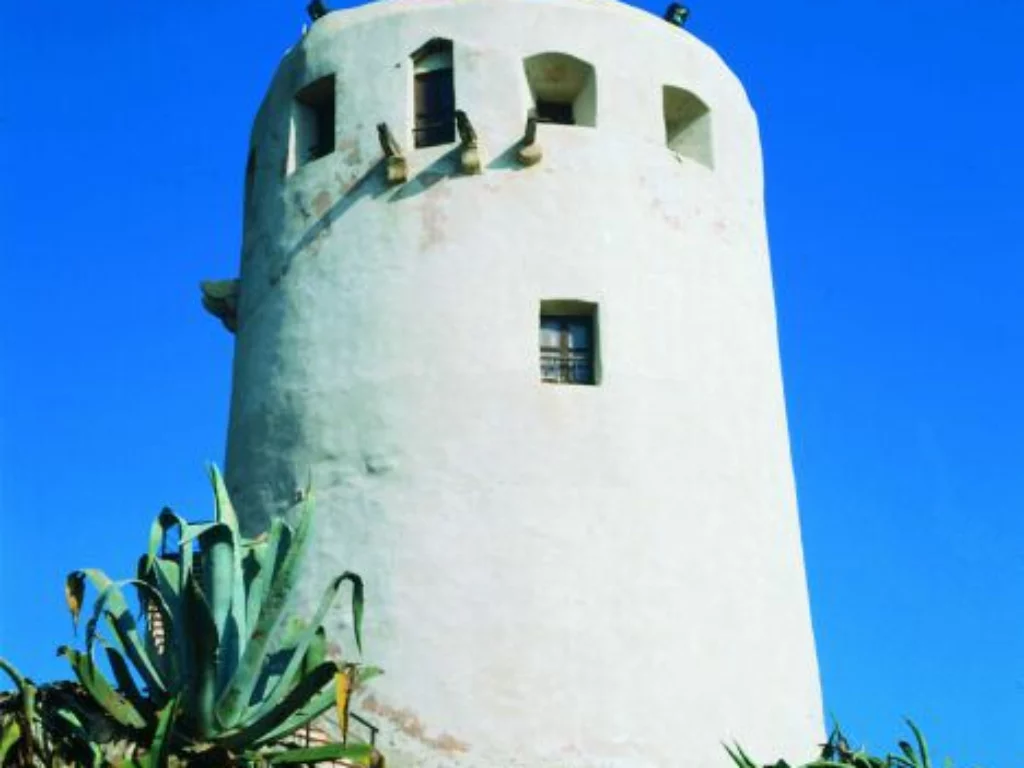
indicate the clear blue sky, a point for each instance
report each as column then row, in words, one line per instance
column 894, row 147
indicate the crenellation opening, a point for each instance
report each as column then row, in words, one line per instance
column 687, row 125
column 564, row 89
column 312, row 135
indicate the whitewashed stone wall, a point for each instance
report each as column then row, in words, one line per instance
column 557, row 575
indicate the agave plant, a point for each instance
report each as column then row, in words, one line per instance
column 837, row 753
column 215, row 665
column 44, row 727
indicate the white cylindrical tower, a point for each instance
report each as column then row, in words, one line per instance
column 536, row 382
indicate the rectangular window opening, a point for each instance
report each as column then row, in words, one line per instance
column 314, row 121
column 568, row 342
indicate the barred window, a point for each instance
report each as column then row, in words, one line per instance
column 568, row 342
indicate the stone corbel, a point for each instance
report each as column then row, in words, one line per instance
column 470, row 158
column 220, row 299
column 397, row 167
column 530, row 152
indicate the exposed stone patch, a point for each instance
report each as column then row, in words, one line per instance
column 409, row 723
column 321, row 203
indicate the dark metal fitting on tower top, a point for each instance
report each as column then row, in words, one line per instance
column 677, row 14
column 317, row 10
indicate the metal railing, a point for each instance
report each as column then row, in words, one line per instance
column 573, row 366
column 434, row 130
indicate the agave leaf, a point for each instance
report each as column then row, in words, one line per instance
column 319, row 704
column 195, row 531
column 229, row 655
column 77, row 743
column 292, row 671
column 10, row 733
column 360, row 754
column 102, row 692
column 253, row 563
column 158, row 531
column 167, row 520
column 739, row 757
column 74, row 591
column 161, row 742
column 225, row 510
column 19, row 682
column 343, row 680
column 239, row 691
column 221, row 575
column 187, row 534
column 225, row 515
column 908, row 751
column 187, row 655
column 316, row 653
column 312, row 709
column 357, row 605
column 271, row 556
column 365, row 674
column 121, row 621
column 274, row 664
column 922, row 746
column 161, row 574
column 28, row 705
column 123, row 676
column 256, row 732
column 202, row 637
column 278, row 663
column 165, row 575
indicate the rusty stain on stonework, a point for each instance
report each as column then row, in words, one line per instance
column 344, row 183
column 321, row 203
column 432, row 213
column 409, row 723
column 350, row 148
column 319, row 238
column 668, row 215
column 347, row 181
column 433, row 227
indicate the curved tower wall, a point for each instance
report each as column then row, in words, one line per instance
column 558, row 575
